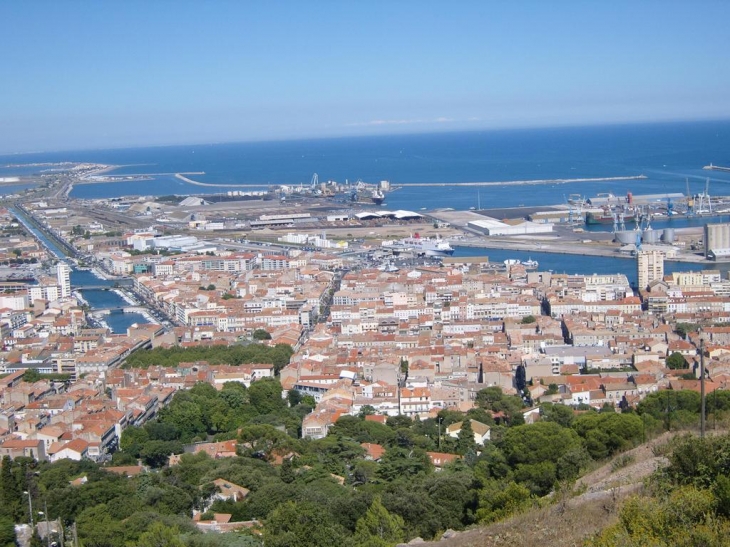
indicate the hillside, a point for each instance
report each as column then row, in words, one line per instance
column 591, row 507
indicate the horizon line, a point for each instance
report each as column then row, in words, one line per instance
column 442, row 131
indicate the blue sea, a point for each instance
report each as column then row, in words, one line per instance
column 670, row 155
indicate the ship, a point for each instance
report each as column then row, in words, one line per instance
column 609, row 216
column 530, row 264
column 422, row 246
column 377, row 196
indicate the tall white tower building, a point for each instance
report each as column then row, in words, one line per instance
column 63, row 277
column 649, row 267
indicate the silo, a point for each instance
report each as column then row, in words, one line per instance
column 651, row 236
column 668, row 236
column 625, row 237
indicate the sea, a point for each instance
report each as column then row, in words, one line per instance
column 670, row 155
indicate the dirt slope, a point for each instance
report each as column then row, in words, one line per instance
column 573, row 518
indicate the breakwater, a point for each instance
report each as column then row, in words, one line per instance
column 525, row 182
column 183, row 178
column 716, row 168
column 197, row 183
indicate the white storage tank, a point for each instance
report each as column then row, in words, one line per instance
column 625, row 237
column 651, row 236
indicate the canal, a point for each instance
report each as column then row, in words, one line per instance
column 117, row 321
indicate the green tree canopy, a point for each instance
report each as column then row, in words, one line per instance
column 676, row 361
column 378, row 527
column 303, row 525
column 261, row 334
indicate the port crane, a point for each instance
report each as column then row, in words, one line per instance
column 314, row 184
column 704, row 205
column 576, row 202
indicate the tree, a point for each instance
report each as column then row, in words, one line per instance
column 294, row 397
column 497, row 500
column 683, row 329
column 528, row 319
column 303, row 525
column 265, row 396
column 488, row 396
column 606, row 433
column 156, row 453
column 403, row 462
column 133, row 440
column 11, row 493
column 31, row 375
column 465, row 440
column 286, row 472
column 160, row 535
column 261, row 334
column 366, row 410
column 676, row 361
column 535, row 443
column 379, row 528
column 520, row 378
column 7, row 533
column 557, row 413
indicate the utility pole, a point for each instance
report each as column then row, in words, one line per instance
column 30, row 511
column 48, row 531
column 702, row 385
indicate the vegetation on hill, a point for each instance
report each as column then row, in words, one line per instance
column 326, row 491
column 277, row 355
column 685, row 504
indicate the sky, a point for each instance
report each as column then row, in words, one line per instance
column 82, row 75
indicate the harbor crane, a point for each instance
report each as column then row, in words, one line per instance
column 576, row 202
column 704, row 205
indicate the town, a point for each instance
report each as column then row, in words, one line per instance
column 349, row 333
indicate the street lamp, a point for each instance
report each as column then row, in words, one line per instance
column 30, row 509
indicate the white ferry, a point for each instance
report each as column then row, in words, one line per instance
column 424, row 246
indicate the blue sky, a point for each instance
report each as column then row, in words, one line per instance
column 109, row 74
